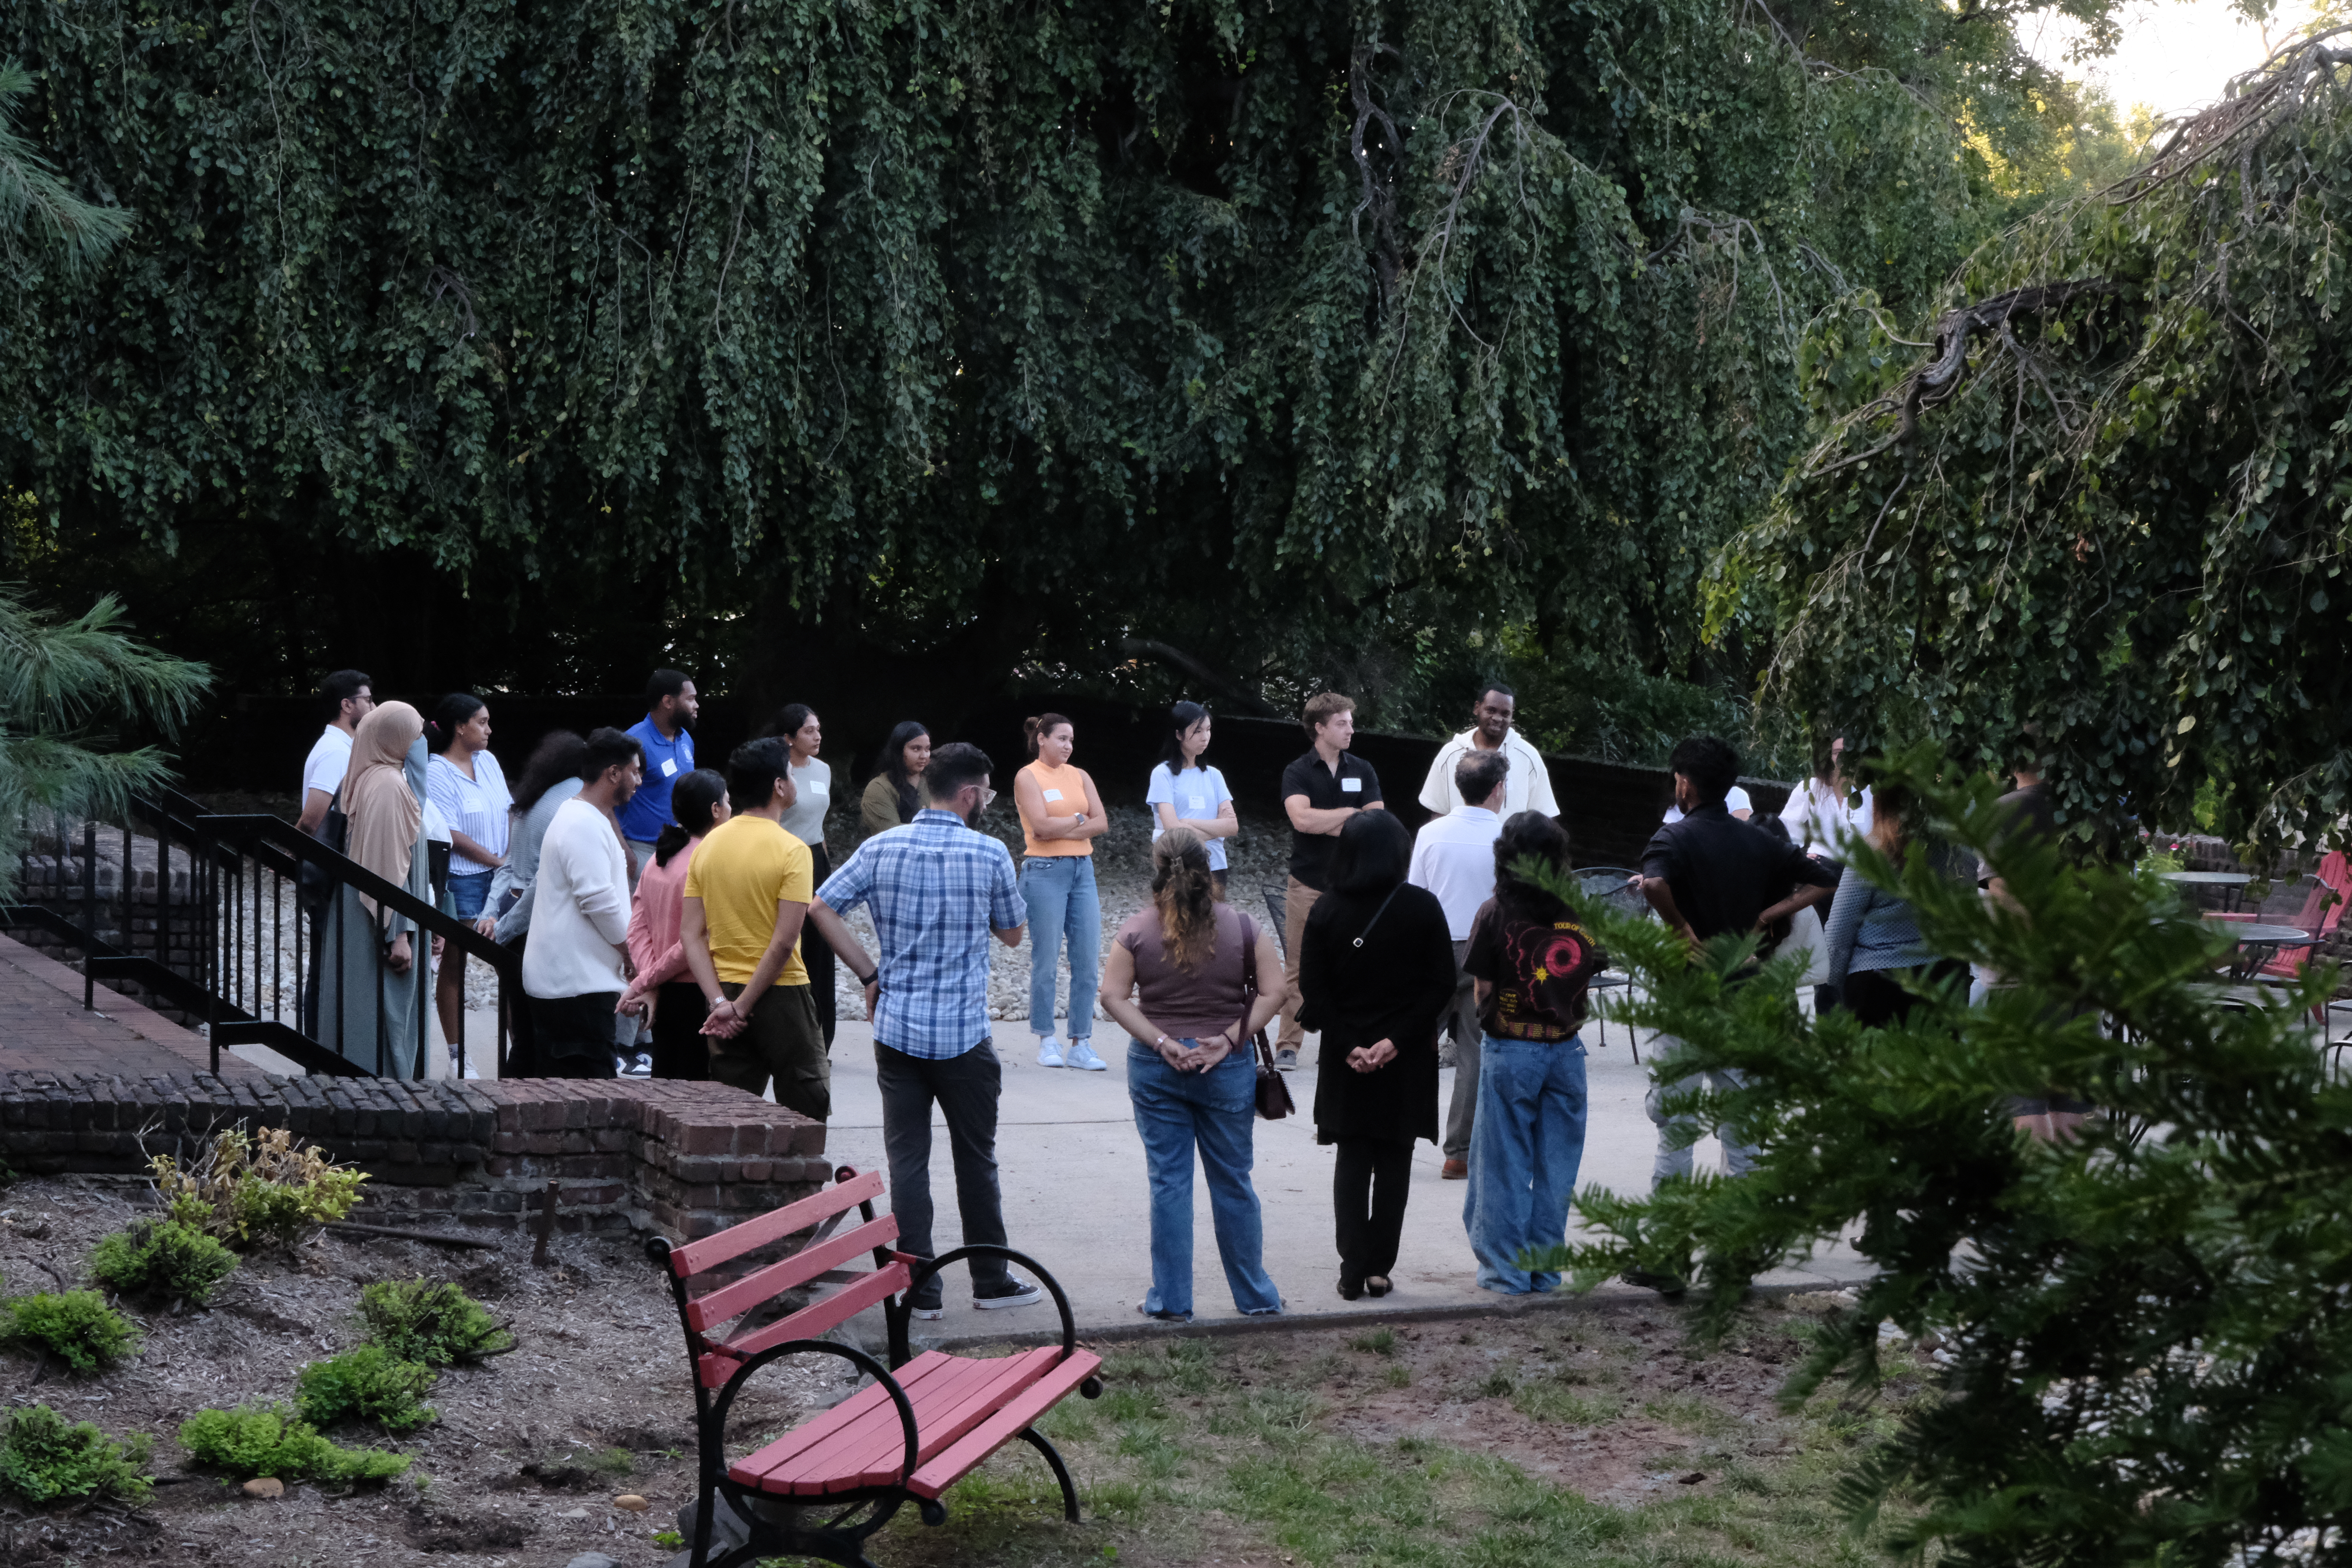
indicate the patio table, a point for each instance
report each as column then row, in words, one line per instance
column 2230, row 883
column 2256, row 942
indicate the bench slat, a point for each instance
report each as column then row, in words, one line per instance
column 831, row 1424
column 943, row 1471
column 736, row 1241
column 798, row 1270
column 869, row 1451
column 818, row 1316
column 872, row 1457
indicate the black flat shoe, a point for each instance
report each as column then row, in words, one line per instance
column 1378, row 1285
column 1351, row 1289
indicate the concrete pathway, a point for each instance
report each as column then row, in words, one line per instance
column 1075, row 1198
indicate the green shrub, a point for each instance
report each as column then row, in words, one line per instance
column 271, row 1441
column 369, row 1383
column 43, row 1458
column 161, row 1258
column 254, row 1189
column 435, row 1323
column 75, row 1326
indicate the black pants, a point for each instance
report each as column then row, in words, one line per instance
column 572, row 1035
column 679, row 1049
column 816, row 953
column 1369, row 1187
column 1877, row 996
column 966, row 1089
column 522, row 1057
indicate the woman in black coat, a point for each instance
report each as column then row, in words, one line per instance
column 1375, row 969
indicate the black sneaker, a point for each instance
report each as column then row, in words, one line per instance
column 1664, row 1284
column 1015, row 1293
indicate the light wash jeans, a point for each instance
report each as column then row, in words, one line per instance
column 1739, row 1158
column 1213, row 1111
column 1526, row 1145
column 1060, row 892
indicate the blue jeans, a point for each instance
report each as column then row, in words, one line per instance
column 1526, row 1143
column 1060, row 892
column 468, row 896
column 1213, row 1110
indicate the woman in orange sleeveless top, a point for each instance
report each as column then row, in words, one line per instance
column 1061, row 817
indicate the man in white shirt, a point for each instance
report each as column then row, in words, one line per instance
column 576, row 963
column 1528, row 785
column 1454, row 857
column 331, row 754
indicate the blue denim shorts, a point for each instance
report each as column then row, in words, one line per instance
column 468, row 895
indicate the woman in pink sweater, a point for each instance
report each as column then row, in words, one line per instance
column 662, row 991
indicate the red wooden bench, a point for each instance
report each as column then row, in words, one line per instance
column 922, row 1425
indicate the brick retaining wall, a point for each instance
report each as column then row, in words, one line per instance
column 682, row 1159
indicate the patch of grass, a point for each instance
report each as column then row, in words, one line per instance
column 613, row 1462
column 44, row 1458
column 1380, row 1342
column 1207, row 1448
column 162, row 1259
column 271, row 1441
column 369, row 1383
column 432, row 1321
column 75, row 1326
column 1688, row 1412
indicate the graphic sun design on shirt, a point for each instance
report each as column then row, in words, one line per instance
column 1552, row 965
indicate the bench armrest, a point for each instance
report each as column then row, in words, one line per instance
column 714, row 1457
column 922, row 1269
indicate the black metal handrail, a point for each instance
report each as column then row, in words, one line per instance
column 248, row 930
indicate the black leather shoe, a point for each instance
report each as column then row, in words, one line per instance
column 1351, row 1289
column 1664, row 1284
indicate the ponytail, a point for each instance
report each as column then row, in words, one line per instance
column 1185, row 894
column 1038, row 728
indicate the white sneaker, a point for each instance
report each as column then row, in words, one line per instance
column 1049, row 1053
column 928, row 1314
column 1083, row 1057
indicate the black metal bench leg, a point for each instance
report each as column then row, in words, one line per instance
column 1036, row 1439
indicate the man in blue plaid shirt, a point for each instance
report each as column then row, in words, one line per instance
column 937, row 888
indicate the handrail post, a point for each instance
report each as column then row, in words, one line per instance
column 89, row 911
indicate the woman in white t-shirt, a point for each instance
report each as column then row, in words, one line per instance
column 467, row 782
column 804, row 820
column 1184, row 790
column 1820, row 821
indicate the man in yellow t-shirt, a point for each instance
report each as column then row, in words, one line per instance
column 747, row 892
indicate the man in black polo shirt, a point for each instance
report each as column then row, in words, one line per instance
column 1709, row 875
column 1321, row 790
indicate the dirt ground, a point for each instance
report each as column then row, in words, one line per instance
column 532, row 1447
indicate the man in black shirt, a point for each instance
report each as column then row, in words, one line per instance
column 1320, row 791
column 1710, row 875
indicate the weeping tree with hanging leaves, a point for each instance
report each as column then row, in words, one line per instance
column 1336, row 337
column 2096, row 508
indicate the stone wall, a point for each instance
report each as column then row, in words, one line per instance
column 685, row 1159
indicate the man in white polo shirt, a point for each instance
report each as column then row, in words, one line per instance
column 331, row 754
column 1529, row 783
column 1454, row 857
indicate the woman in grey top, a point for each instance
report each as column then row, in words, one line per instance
column 550, row 778
column 804, row 820
column 1871, row 943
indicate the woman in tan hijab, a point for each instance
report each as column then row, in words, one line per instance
column 372, row 991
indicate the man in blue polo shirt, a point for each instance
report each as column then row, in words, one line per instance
column 666, row 733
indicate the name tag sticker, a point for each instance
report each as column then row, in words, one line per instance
column 1052, row 795
column 1351, row 786
column 1196, row 802
column 669, row 766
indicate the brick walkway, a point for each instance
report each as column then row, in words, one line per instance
column 44, row 1029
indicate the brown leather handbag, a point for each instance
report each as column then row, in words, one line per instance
column 1274, row 1102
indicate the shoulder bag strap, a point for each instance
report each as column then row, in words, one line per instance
column 1377, row 914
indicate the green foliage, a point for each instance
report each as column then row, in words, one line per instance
column 161, row 1258
column 33, row 196
column 44, row 1458
column 1311, row 326
column 369, row 1383
column 270, row 1440
column 72, row 690
column 2106, row 507
column 432, row 1321
column 75, row 1326
column 256, row 1189
column 2149, row 1339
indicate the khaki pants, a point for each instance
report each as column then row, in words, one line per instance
column 1297, row 901
column 1461, row 1016
column 785, row 1039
